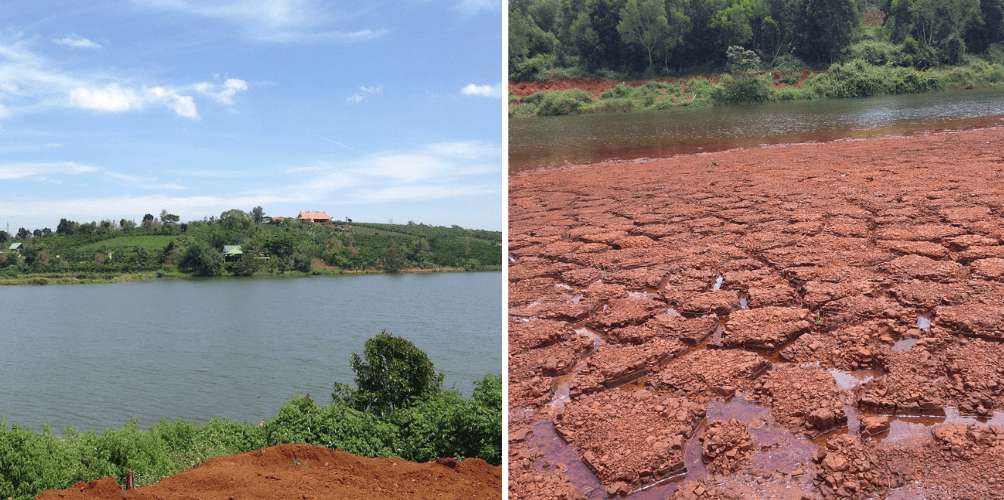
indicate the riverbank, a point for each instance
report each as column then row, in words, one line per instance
column 822, row 318
column 319, row 269
column 846, row 80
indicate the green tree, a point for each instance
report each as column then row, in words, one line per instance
column 826, row 27
column 201, row 260
column 644, row 22
column 393, row 257
column 167, row 219
column 394, row 374
column 257, row 214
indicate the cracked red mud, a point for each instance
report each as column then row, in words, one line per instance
column 840, row 288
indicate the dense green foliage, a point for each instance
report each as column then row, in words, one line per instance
column 437, row 423
column 394, row 375
column 195, row 248
column 618, row 38
column 855, row 78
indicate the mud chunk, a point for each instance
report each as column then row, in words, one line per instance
column 726, row 446
column 710, row 372
column 629, row 311
column 765, row 329
column 615, row 434
column 872, row 426
column 720, row 302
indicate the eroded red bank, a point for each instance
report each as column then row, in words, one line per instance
column 803, row 321
column 299, row 471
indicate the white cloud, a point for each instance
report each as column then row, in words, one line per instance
column 432, row 171
column 471, row 7
column 280, row 21
column 183, row 105
column 499, row 91
column 77, row 42
column 30, row 83
column 33, row 169
column 363, row 93
column 112, row 99
column 225, row 96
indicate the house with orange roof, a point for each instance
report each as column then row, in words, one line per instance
column 315, row 217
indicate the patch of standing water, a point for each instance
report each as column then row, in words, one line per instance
column 597, row 340
column 846, row 380
column 555, row 451
column 902, row 345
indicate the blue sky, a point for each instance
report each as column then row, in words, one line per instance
column 372, row 110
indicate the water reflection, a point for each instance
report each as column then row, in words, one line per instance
column 555, row 141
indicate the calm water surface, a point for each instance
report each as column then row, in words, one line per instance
column 91, row 356
column 555, row 141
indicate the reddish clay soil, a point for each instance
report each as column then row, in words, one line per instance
column 801, row 321
column 305, row 472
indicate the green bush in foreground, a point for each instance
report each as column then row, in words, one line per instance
column 426, row 425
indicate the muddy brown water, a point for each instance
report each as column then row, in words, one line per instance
column 560, row 140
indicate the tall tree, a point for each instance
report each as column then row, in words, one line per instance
column 644, row 22
column 826, row 27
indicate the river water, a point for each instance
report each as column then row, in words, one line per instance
column 556, row 141
column 92, row 356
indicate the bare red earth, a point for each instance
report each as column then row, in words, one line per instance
column 298, row 471
column 643, row 295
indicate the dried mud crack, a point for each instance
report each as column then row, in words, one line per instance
column 802, row 321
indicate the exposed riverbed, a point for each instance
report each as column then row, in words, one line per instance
column 848, row 292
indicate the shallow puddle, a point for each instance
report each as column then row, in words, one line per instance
column 902, row 345
column 779, row 451
column 554, row 451
column 597, row 340
column 849, row 380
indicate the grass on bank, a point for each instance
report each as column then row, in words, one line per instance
column 855, row 78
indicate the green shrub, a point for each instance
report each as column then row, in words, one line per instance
column 874, row 52
column 619, row 91
column 564, row 102
column 793, row 94
column 746, row 89
column 300, row 420
column 534, row 68
column 700, row 86
column 613, row 106
column 789, row 79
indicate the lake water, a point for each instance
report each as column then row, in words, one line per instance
column 555, row 141
column 92, row 356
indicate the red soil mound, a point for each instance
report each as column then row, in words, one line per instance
column 303, row 472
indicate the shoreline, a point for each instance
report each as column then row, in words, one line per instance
column 604, row 95
column 878, row 256
column 43, row 279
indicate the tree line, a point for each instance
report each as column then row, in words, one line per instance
column 666, row 37
column 166, row 245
